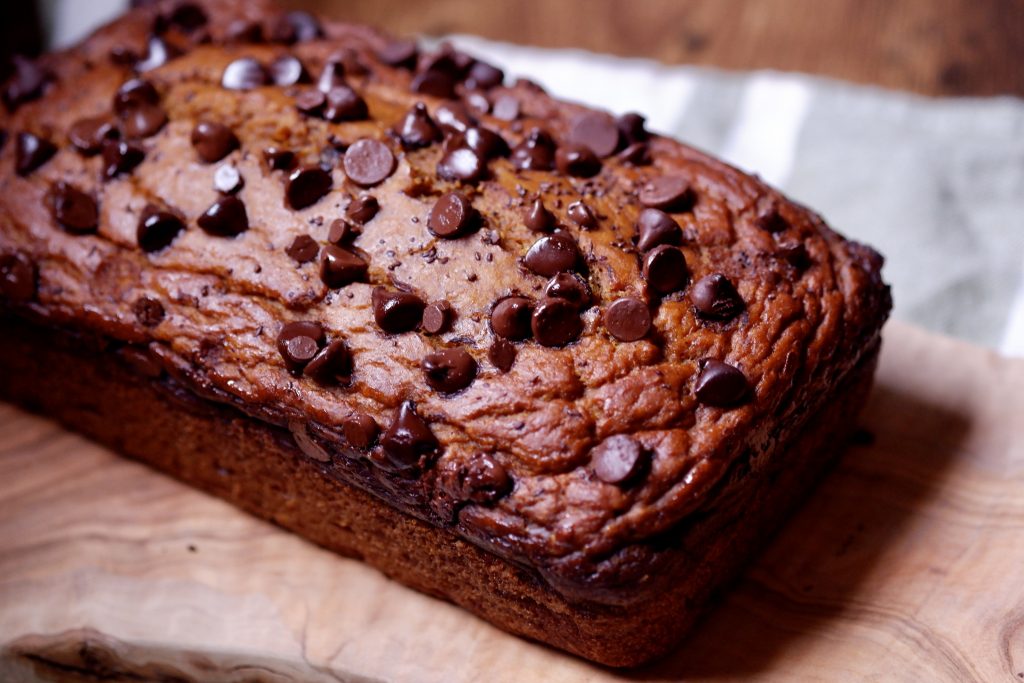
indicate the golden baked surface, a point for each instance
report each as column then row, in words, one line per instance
column 566, row 434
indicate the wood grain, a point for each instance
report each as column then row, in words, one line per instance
column 938, row 47
column 904, row 565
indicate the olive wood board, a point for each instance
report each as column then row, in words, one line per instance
column 906, row 563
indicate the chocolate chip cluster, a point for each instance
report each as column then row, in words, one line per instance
column 473, row 130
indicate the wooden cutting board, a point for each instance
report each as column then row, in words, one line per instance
column 906, row 564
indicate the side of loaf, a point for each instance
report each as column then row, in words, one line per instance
column 534, row 340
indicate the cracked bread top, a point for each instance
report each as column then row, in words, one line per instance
column 536, row 324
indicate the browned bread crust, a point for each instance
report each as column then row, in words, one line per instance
column 106, row 394
column 578, row 453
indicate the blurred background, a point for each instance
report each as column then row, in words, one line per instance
column 902, row 123
column 935, row 47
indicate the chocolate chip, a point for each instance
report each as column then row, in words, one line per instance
column 618, row 459
column 577, row 161
column 122, row 55
column 445, row 60
column 296, row 27
column 363, row 209
column 715, row 297
column 306, row 186
column 417, row 129
column 627, row 319
column 461, row 164
column 227, row 179
column 437, row 317
column 310, row 102
column 453, row 117
column 478, row 102
column 655, row 227
column 340, row 267
column 226, row 217
column 582, row 215
column 244, row 31
column 502, row 354
column 794, row 253
column 721, row 385
column 31, row 152
column 596, row 131
column 535, row 153
column 143, row 121
column 332, row 365
column 287, row 70
column 158, row 53
column 332, row 76
column 637, row 154
column 342, row 232
column 556, row 322
column 303, row 249
column 399, row 53
column 25, row 84
column 665, row 269
column 120, row 157
column 350, row 59
column 18, row 277
column 279, row 159
column 552, row 254
column 187, row 16
column 245, row 73
column 631, row 127
column 538, row 218
column 483, row 76
column 510, row 318
column 134, row 93
column 435, row 83
column 449, row 370
column 506, row 108
column 481, row 480
column 408, row 441
column 73, row 209
column 771, row 221
column 360, row 430
column 369, row 162
column 571, row 287
column 213, row 141
column 485, row 142
column 298, row 342
column 452, row 216
column 668, row 193
column 88, row 135
column 463, row 62
column 344, row 104
column 396, row 312
column 157, row 229
column 148, row 311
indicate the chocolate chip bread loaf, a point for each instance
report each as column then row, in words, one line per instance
column 516, row 353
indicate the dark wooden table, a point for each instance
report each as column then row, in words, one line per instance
column 937, row 47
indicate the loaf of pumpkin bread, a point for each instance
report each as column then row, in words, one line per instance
column 520, row 354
